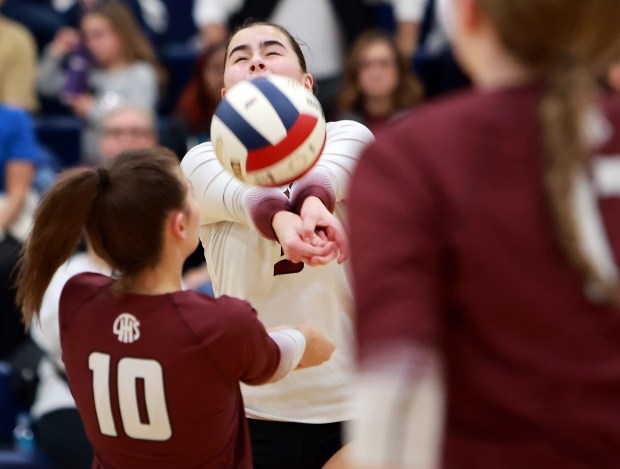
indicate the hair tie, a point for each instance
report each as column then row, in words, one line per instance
column 104, row 178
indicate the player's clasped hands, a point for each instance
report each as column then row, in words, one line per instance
column 315, row 237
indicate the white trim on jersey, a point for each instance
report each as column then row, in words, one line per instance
column 591, row 230
column 607, row 176
column 400, row 401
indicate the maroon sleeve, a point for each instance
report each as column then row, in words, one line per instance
column 317, row 185
column 396, row 246
column 263, row 205
column 258, row 354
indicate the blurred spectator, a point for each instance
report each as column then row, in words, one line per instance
column 44, row 18
column 408, row 16
column 126, row 128
column 18, row 61
column 124, row 70
column 19, row 155
column 433, row 59
column 151, row 14
column 377, row 82
column 202, row 93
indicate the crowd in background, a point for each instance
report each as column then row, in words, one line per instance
column 65, row 66
column 82, row 80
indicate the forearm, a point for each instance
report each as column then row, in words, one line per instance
column 13, row 204
column 222, row 197
column 50, row 76
column 407, row 36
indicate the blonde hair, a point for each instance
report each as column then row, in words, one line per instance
column 568, row 43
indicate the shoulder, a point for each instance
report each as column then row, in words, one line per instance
column 19, row 34
column 233, row 317
column 85, row 282
column 198, row 151
column 440, row 131
column 196, row 156
column 77, row 264
column 80, row 288
column 348, row 130
column 142, row 69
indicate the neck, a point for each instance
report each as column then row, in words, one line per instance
column 501, row 73
column 378, row 106
column 116, row 65
column 489, row 64
column 96, row 259
column 165, row 277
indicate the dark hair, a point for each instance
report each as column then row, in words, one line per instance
column 196, row 105
column 408, row 89
column 251, row 22
column 122, row 209
column 135, row 44
column 568, row 43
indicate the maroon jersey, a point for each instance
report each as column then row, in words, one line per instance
column 453, row 247
column 156, row 378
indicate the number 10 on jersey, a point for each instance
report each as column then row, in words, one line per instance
column 129, row 371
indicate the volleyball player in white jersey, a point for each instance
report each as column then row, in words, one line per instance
column 296, row 422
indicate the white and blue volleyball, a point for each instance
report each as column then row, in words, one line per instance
column 268, row 131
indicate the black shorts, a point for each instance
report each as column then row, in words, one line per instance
column 292, row 445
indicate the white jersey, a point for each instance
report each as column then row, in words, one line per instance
column 244, row 262
column 53, row 391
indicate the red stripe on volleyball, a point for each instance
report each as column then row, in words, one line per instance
column 267, row 156
column 294, row 178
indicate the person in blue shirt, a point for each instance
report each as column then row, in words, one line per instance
column 19, row 156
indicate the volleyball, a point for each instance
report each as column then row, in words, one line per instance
column 268, row 131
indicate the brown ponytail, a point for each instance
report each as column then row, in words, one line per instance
column 566, row 43
column 58, row 225
column 563, row 112
column 121, row 209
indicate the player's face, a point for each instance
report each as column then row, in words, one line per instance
column 261, row 50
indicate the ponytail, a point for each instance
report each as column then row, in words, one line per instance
column 564, row 110
column 57, row 229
